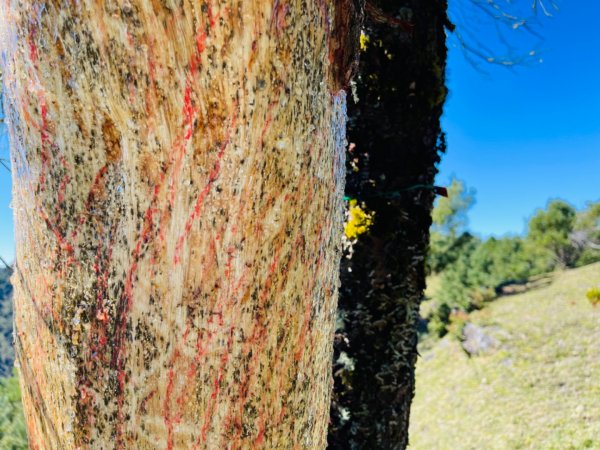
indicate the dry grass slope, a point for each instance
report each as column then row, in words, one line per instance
column 540, row 389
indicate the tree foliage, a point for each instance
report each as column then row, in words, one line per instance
column 450, row 213
column 450, row 221
column 586, row 235
column 474, row 270
column 13, row 435
column 550, row 230
column 7, row 354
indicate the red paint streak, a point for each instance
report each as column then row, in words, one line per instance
column 132, row 92
column 202, row 344
column 63, row 245
column 261, row 434
column 144, row 404
column 117, row 360
column 167, row 410
column 266, row 126
column 99, row 329
column 201, row 42
column 196, row 60
column 300, row 343
column 151, row 91
column 33, row 55
column 230, row 252
column 189, row 114
column 278, row 16
column 188, row 111
column 380, row 17
column 129, row 39
column 45, row 138
column 44, row 114
column 92, row 194
column 214, row 174
column 62, row 189
column 239, row 284
column 212, row 17
column 216, row 388
column 255, row 344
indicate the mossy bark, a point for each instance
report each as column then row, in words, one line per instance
column 396, row 129
column 178, row 173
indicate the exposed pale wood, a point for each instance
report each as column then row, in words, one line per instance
column 178, row 171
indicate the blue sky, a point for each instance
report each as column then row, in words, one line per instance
column 519, row 137
column 522, row 136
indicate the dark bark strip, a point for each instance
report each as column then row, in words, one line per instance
column 396, row 129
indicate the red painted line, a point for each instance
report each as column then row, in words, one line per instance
column 150, row 94
column 214, row 174
column 94, row 189
column 61, row 191
column 188, row 111
column 201, row 42
column 216, row 388
column 212, row 17
column 167, row 410
column 256, row 342
column 32, row 47
column 45, row 141
column 117, row 360
column 144, row 404
column 261, row 434
column 63, row 245
column 278, row 16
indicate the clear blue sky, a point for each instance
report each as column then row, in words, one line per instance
column 522, row 136
column 518, row 137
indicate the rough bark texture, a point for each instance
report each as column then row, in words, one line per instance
column 396, row 129
column 178, row 171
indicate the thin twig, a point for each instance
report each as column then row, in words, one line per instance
column 6, row 264
column 3, row 162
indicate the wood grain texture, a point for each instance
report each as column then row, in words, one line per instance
column 178, row 182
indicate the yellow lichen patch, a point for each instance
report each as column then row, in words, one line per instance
column 364, row 41
column 359, row 221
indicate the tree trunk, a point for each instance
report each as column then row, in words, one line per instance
column 396, row 129
column 178, row 173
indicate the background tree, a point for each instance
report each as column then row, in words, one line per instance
column 550, row 230
column 586, row 235
column 7, row 354
column 177, row 172
column 449, row 214
column 395, row 135
column 13, row 435
column 448, row 232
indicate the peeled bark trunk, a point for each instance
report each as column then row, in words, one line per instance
column 178, row 174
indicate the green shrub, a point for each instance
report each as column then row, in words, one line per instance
column 593, row 295
column 456, row 323
column 12, row 423
column 438, row 320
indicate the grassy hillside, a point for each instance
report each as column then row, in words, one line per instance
column 538, row 388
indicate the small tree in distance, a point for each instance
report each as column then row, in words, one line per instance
column 550, row 230
column 448, row 231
